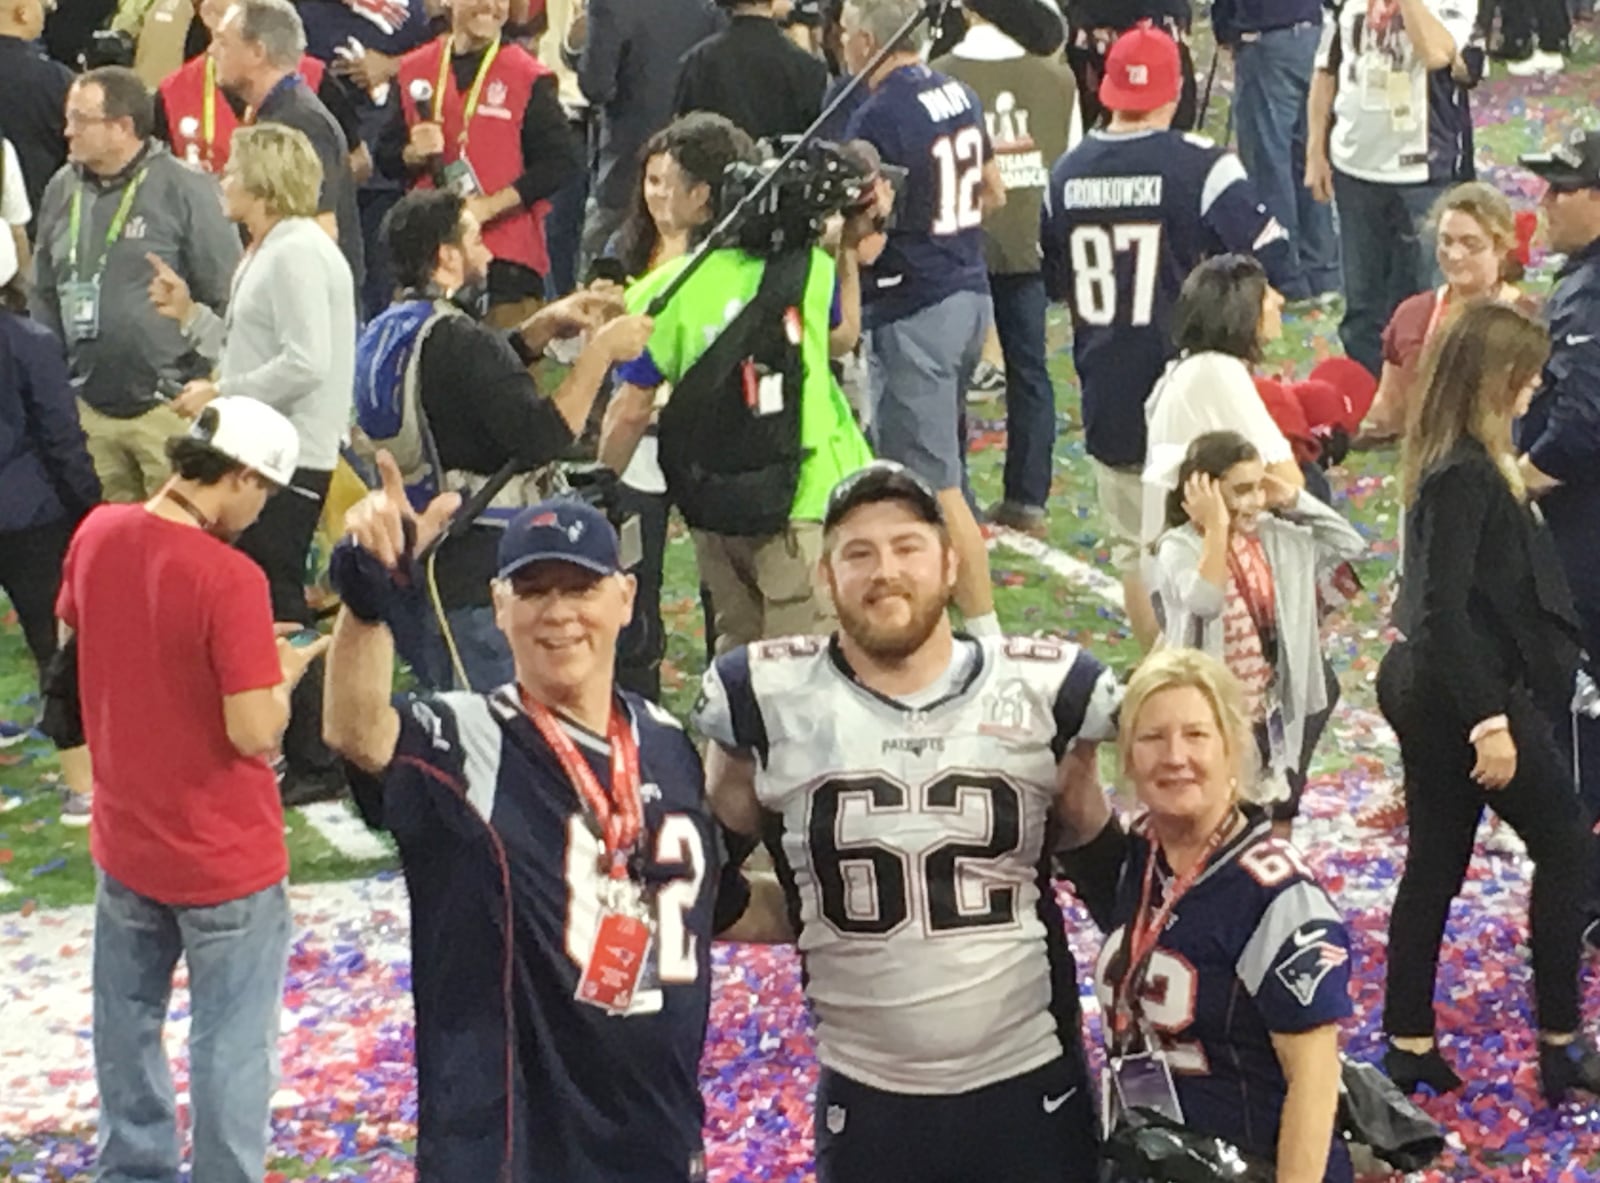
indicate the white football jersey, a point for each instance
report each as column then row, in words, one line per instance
column 912, row 842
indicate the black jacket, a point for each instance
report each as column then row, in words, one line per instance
column 1484, row 601
column 754, row 75
column 629, row 71
column 45, row 472
column 33, row 102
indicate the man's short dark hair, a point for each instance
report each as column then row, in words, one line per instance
column 126, row 97
column 1219, row 308
column 420, row 223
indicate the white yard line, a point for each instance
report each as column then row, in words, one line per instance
column 1059, row 562
column 345, row 831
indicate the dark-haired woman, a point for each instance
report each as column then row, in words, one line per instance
column 1226, row 314
column 1484, row 673
column 1240, row 582
column 47, row 484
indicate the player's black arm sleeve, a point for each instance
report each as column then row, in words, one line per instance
column 1095, row 870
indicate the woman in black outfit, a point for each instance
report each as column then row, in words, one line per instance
column 1476, row 689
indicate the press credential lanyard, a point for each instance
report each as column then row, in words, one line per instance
column 470, row 108
column 1145, row 929
column 113, row 232
column 620, row 812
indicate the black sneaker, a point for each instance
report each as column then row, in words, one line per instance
column 305, row 788
column 1410, row 1069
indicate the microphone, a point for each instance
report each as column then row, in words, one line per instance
column 421, row 92
column 1036, row 25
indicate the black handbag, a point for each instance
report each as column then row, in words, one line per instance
column 1375, row 1113
column 1149, row 1147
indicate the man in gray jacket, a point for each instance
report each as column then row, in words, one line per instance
column 122, row 197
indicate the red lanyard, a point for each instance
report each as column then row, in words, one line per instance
column 1144, row 935
column 620, row 812
column 1252, row 575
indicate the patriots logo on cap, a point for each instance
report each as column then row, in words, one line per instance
column 1138, row 75
column 1311, row 958
column 543, row 519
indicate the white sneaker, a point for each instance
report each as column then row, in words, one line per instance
column 1538, row 62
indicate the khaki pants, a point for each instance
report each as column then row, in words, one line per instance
column 764, row 587
column 130, row 455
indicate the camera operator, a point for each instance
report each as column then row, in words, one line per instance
column 453, row 399
column 757, row 430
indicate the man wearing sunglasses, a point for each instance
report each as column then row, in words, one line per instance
column 1560, row 435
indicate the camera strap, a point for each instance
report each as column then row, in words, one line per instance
column 783, row 285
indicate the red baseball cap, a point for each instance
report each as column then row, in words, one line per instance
column 1342, row 394
column 1142, row 71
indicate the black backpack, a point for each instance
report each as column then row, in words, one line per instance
column 730, row 434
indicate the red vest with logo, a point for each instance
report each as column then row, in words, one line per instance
column 494, row 141
column 183, row 94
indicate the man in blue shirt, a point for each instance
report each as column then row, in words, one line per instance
column 925, row 302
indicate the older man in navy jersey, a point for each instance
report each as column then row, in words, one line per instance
column 925, row 302
column 565, row 871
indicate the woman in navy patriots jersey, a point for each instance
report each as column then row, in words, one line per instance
column 1222, row 954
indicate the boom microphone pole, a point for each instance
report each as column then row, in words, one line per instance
column 1036, row 23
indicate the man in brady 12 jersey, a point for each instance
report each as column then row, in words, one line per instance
column 925, row 301
column 905, row 778
column 1129, row 213
column 562, row 863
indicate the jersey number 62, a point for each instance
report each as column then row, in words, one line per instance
column 870, row 887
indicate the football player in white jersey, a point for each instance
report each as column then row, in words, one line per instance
column 905, row 779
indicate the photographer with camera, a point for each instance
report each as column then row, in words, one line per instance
column 452, row 399
column 756, row 430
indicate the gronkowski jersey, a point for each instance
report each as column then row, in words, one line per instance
column 516, row 1078
column 912, row 843
column 933, row 127
column 1126, row 217
column 1255, row 947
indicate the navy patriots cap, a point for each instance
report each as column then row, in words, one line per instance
column 882, row 480
column 1574, row 164
column 565, row 530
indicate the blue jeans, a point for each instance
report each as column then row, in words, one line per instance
column 236, row 953
column 1272, row 79
column 1388, row 255
column 1020, row 305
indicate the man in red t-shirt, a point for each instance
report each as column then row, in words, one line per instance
column 185, row 693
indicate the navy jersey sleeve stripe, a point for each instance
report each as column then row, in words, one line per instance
column 1074, row 699
column 749, row 728
column 396, row 799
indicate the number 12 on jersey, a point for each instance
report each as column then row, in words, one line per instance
column 959, row 158
column 1094, row 270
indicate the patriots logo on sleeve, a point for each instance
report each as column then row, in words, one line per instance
column 1309, row 958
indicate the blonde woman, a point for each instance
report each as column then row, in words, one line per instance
column 1481, row 246
column 288, row 340
column 1223, row 955
column 1483, row 675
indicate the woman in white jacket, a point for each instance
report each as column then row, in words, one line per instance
column 1242, row 584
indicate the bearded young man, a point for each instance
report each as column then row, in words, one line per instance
column 905, row 779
